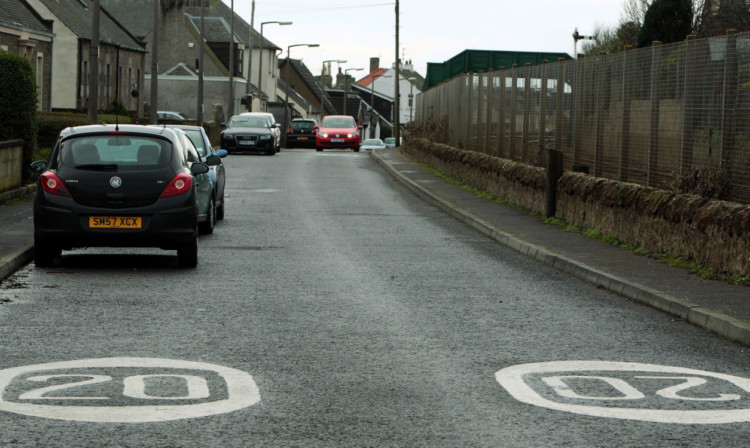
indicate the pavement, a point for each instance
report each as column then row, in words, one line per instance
column 719, row 307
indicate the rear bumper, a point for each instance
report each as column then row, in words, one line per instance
column 168, row 223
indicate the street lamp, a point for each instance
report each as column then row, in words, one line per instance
column 260, row 60
column 372, row 101
column 288, row 84
column 346, row 83
column 322, row 89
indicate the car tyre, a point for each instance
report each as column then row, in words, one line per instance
column 319, row 149
column 356, row 149
column 45, row 254
column 207, row 226
column 187, row 255
column 220, row 211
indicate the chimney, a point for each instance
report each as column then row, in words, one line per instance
column 374, row 64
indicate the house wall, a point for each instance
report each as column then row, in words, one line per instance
column 120, row 71
column 178, row 93
column 65, row 63
column 38, row 50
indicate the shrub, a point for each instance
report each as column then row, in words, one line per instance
column 18, row 97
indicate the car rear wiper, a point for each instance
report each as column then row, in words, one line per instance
column 97, row 167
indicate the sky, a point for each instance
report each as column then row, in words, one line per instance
column 430, row 30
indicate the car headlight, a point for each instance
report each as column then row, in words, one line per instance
column 265, row 137
column 323, row 134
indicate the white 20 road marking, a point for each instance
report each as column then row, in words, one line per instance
column 513, row 379
column 241, row 391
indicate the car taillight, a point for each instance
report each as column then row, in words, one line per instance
column 289, row 131
column 53, row 185
column 179, row 185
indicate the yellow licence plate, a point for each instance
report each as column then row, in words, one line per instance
column 115, row 222
column 301, row 138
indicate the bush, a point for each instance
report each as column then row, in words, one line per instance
column 18, row 97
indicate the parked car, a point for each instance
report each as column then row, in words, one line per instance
column 301, row 133
column 169, row 115
column 390, row 142
column 338, row 131
column 372, row 143
column 246, row 133
column 217, row 173
column 275, row 126
column 119, row 186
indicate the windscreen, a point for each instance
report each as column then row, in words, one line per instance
column 116, row 151
column 338, row 123
column 248, row 122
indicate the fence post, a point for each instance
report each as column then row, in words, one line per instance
column 480, row 98
column 501, row 117
column 513, row 103
column 729, row 101
column 689, row 97
column 488, row 110
column 543, row 110
column 554, row 172
column 469, row 111
column 578, row 71
column 602, row 84
column 625, row 124
column 560, row 105
column 526, row 113
column 653, row 144
column 459, row 129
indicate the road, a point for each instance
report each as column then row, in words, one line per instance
column 333, row 308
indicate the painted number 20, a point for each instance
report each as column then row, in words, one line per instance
column 133, row 387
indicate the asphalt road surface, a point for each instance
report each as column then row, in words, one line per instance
column 333, row 308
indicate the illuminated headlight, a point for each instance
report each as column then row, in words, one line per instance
column 323, row 134
column 352, row 135
column 265, row 137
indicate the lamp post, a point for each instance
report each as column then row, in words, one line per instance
column 322, row 89
column 346, row 83
column 288, row 84
column 260, row 61
column 372, row 102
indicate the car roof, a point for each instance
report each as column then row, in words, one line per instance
column 99, row 128
column 184, row 127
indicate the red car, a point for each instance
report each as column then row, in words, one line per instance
column 337, row 131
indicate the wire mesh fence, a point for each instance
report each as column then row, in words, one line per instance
column 673, row 116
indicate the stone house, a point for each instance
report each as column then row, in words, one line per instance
column 121, row 57
column 23, row 32
column 179, row 50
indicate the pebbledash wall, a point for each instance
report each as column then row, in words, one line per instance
column 708, row 231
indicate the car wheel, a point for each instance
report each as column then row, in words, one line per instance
column 187, row 255
column 44, row 254
column 207, row 226
column 356, row 149
column 220, row 211
column 319, row 149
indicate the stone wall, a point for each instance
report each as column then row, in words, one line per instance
column 11, row 159
column 710, row 232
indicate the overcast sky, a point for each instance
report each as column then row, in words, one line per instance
column 431, row 30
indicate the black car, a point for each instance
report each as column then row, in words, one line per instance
column 118, row 186
column 247, row 133
column 301, row 134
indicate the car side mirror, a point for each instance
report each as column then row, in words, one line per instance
column 198, row 168
column 213, row 160
column 221, row 153
column 39, row 166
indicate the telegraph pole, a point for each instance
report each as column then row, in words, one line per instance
column 230, row 106
column 397, row 130
column 94, row 63
column 155, row 64
column 199, row 117
column 250, row 60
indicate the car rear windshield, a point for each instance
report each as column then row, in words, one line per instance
column 119, row 151
column 300, row 125
column 338, row 123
